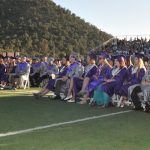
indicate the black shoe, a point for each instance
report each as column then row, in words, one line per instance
column 57, row 97
column 36, row 95
column 147, row 107
column 137, row 108
column 93, row 104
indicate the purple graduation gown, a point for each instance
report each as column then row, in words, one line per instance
column 136, row 78
column 129, row 72
column 51, row 82
column 2, row 72
column 104, row 72
column 78, row 82
column 112, row 87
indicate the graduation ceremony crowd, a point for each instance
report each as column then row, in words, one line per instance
column 99, row 80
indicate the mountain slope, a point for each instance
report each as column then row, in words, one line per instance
column 40, row 27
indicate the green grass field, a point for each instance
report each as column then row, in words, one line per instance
column 20, row 111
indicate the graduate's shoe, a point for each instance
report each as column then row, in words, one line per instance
column 71, row 101
column 56, row 97
column 82, row 102
column 68, row 98
column 147, row 107
column 62, row 95
column 137, row 108
column 81, row 93
column 93, row 104
column 36, row 95
column 13, row 88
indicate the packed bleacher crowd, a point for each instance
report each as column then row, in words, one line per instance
column 128, row 46
column 122, row 76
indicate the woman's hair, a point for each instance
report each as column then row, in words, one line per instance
column 141, row 64
column 122, row 64
column 128, row 61
column 1, row 61
column 107, row 63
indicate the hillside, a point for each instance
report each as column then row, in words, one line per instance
column 40, row 27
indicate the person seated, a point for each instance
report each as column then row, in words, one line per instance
column 140, row 95
column 129, row 65
column 22, row 72
column 2, row 74
column 75, row 69
column 58, row 63
column 102, row 74
column 138, row 71
column 81, row 83
column 43, row 67
column 51, row 70
column 51, row 83
column 11, row 73
column 35, row 72
column 104, row 92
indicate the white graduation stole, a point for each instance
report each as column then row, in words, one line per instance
column 88, row 68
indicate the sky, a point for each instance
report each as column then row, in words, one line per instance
column 117, row 17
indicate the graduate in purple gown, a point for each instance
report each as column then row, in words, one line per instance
column 62, row 73
column 81, row 83
column 103, row 73
column 103, row 93
column 138, row 71
column 129, row 66
column 51, row 84
column 2, row 73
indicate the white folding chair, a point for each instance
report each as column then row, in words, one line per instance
column 24, row 82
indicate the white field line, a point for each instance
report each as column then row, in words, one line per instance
column 60, row 124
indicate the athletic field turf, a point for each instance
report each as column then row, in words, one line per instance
column 45, row 124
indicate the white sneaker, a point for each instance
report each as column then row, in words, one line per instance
column 71, row 101
column 68, row 98
column 62, row 95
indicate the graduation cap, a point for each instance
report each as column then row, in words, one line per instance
column 122, row 55
column 139, row 55
column 92, row 56
column 128, row 57
column 120, row 58
column 114, row 57
column 74, row 55
column 66, row 57
column 104, row 54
